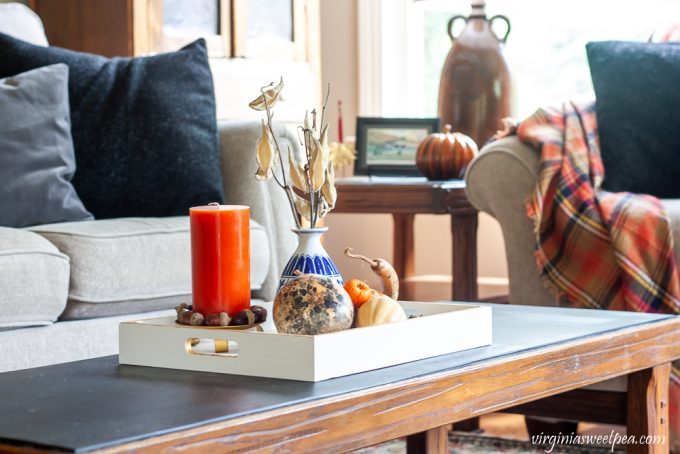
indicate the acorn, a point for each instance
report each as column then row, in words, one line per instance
column 260, row 313
column 224, row 319
column 221, row 319
column 245, row 317
column 190, row 318
column 212, row 320
column 181, row 308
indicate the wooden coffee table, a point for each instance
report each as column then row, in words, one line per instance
column 537, row 353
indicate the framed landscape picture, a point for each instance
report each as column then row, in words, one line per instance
column 387, row 146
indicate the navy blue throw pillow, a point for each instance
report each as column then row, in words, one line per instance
column 638, row 115
column 144, row 129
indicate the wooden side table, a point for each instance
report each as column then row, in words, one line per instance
column 406, row 197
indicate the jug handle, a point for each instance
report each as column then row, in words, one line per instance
column 507, row 25
column 449, row 27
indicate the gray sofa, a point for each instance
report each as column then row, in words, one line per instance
column 64, row 288
column 498, row 182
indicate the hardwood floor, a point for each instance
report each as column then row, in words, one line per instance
column 512, row 426
column 502, row 425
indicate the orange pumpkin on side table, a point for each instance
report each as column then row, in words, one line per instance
column 445, row 155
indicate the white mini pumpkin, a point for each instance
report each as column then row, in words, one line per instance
column 380, row 309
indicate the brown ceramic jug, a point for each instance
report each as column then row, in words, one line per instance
column 474, row 92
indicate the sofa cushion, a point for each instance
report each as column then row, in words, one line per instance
column 132, row 265
column 34, row 279
column 22, row 22
column 144, row 129
column 638, row 115
column 36, row 150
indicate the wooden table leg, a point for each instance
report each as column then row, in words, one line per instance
column 464, row 271
column 648, row 408
column 403, row 250
column 464, row 239
column 433, row 441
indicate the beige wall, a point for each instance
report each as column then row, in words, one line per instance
column 372, row 234
column 339, row 62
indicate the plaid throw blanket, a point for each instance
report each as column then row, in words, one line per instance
column 595, row 248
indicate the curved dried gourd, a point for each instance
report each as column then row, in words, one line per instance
column 384, row 270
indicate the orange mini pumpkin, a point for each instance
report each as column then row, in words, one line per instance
column 359, row 291
column 445, row 155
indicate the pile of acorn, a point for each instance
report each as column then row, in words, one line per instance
column 187, row 316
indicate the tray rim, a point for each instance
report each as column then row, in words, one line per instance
column 170, row 322
column 307, row 357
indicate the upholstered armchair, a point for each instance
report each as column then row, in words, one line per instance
column 499, row 181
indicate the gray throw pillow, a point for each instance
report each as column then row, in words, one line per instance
column 36, row 150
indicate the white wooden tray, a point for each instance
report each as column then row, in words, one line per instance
column 444, row 328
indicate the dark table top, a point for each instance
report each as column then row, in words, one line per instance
column 414, row 182
column 93, row 404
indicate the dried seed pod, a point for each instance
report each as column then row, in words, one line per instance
column 317, row 171
column 303, row 207
column 268, row 98
column 260, row 313
column 307, row 124
column 265, row 155
column 330, row 194
column 296, row 173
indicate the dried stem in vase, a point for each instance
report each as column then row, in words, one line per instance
column 313, row 178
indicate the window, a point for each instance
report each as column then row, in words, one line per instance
column 184, row 21
column 250, row 42
column 255, row 29
column 545, row 50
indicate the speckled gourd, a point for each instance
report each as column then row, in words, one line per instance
column 312, row 304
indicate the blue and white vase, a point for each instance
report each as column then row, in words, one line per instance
column 310, row 257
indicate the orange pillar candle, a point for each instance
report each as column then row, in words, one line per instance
column 220, row 258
